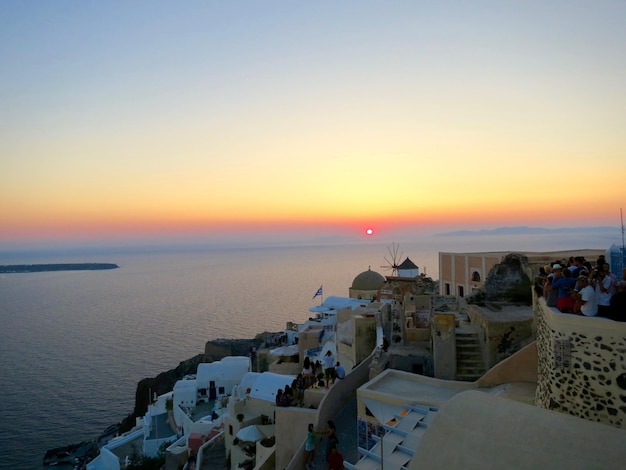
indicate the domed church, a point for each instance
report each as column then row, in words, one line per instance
column 366, row 285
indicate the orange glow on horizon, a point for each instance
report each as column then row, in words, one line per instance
column 341, row 212
column 98, row 226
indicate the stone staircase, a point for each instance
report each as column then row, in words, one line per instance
column 470, row 364
column 396, row 448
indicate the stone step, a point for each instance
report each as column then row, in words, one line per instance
column 468, row 377
column 470, row 364
column 470, row 370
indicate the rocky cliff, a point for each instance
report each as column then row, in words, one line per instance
column 164, row 382
column 506, row 282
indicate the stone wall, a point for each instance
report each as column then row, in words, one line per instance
column 504, row 331
column 582, row 365
column 444, row 345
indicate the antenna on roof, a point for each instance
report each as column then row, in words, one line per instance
column 621, row 215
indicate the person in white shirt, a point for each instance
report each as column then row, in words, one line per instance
column 587, row 297
column 605, row 289
column 329, row 368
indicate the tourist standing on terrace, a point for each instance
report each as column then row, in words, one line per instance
column 329, row 368
column 309, row 445
column 586, row 297
column 563, row 282
column 307, row 373
column 577, row 266
column 288, row 396
column 297, row 387
column 605, row 290
column 551, row 295
column 300, row 385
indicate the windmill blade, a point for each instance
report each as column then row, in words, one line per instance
column 389, row 266
column 399, row 258
column 395, row 260
column 395, row 253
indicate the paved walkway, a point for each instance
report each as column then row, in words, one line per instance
column 346, row 432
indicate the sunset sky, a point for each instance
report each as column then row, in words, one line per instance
column 147, row 118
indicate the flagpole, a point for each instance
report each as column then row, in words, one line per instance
column 320, row 292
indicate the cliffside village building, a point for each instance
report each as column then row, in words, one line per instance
column 433, row 382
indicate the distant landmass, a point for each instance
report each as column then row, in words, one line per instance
column 37, row 268
column 525, row 231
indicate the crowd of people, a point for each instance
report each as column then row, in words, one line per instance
column 314, row 374
column 578, row 286
column 322, row 374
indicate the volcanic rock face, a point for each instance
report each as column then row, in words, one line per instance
column 506, row 282
column 162, row 383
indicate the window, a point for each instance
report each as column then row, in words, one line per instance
column 447, row 292
column 476, row 276
column 461, row 291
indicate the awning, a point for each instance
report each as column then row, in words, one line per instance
column 267, row 384
column 250, row 433
column 291, row 350
column 383, row 412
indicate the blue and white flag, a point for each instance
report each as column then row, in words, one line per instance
column 319, row 292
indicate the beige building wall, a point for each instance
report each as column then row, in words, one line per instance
column 362, row 294
column 364, row 338
column 444, row 345
column 309, row 339
column 445, row 266
column 503, row 332
column 291, row 430
column 462, row 273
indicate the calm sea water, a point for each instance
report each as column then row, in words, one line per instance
column 75, row 344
